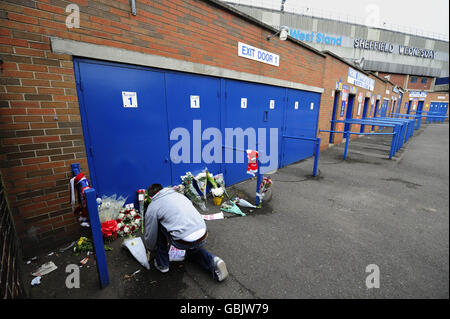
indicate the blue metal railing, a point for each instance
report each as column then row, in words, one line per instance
column 347, row 140
column 316, row 141
column 259, row 175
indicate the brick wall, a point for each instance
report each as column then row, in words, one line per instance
column 10, row 258
column 397, row 79
column 419, row 85
column 40, row 126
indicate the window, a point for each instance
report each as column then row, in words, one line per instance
column 424, row 80
column 413, row 79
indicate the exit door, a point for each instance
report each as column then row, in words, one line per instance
column 123, row 113
column 364, row 115
column 349, row 113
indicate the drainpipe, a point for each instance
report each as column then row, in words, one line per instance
column 133, row 7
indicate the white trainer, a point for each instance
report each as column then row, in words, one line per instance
column 220, row 269
column 161, row 269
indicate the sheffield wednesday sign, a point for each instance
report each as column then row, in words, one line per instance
column 390, row 48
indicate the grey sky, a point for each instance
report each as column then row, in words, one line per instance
column 402, row 15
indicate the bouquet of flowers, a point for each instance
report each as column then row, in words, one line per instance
column 128, row 221
column 83, row 245
column 242, row 202
column 263, row 188
column 190, row 191
column 220, row 181
column 109, row 230
column 202, row 181
column 231, row 208
column 179, row 188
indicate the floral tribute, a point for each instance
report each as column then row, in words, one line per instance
column 128, row 221
column 109, row 230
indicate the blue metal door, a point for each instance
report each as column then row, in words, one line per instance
column 419, row 112
column 443, row 107
column 409, row 107
column 364, row 115
column 251, row 110
column 432, row 111
column 125, row 135
column 375, row 112
column 334, row 115
column 193, row 106
column 383, row 108
column 301, row 117
column 349, row 113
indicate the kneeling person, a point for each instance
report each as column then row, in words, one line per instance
column 172, row 218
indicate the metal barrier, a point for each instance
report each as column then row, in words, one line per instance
column 347, row 140
column 89, row 195
column 259, row 176
column 316, row 141
column 403, row 127
column 399, row 128
column 430, row 117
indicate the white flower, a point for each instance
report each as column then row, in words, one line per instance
column 126, row 229
column 217, row 191
column 119, row 225
column 133, row 213
column 121, row 216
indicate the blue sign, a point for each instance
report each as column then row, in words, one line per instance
column 361, row 80
column 316, row 37
column 342, row 108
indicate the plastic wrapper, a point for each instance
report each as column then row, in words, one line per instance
column 191, row 192
column 110, row 207
column 263, row 188
column 202, row 182
column 242, row 202
column 232, row 208
column 137, row 249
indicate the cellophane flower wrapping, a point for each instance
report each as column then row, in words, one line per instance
column 137, row 249
column 191, row 192
column 202, row 182
column 265, row 185
column 242, row 202
column 110, row 207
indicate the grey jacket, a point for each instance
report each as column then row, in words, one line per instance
column 175, row 212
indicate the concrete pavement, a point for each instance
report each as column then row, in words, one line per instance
column 316, row 236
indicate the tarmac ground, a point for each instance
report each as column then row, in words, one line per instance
column 318, row 237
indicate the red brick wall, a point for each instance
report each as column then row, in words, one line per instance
column 40, row 126
column 419, row 85
column 398, row 79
